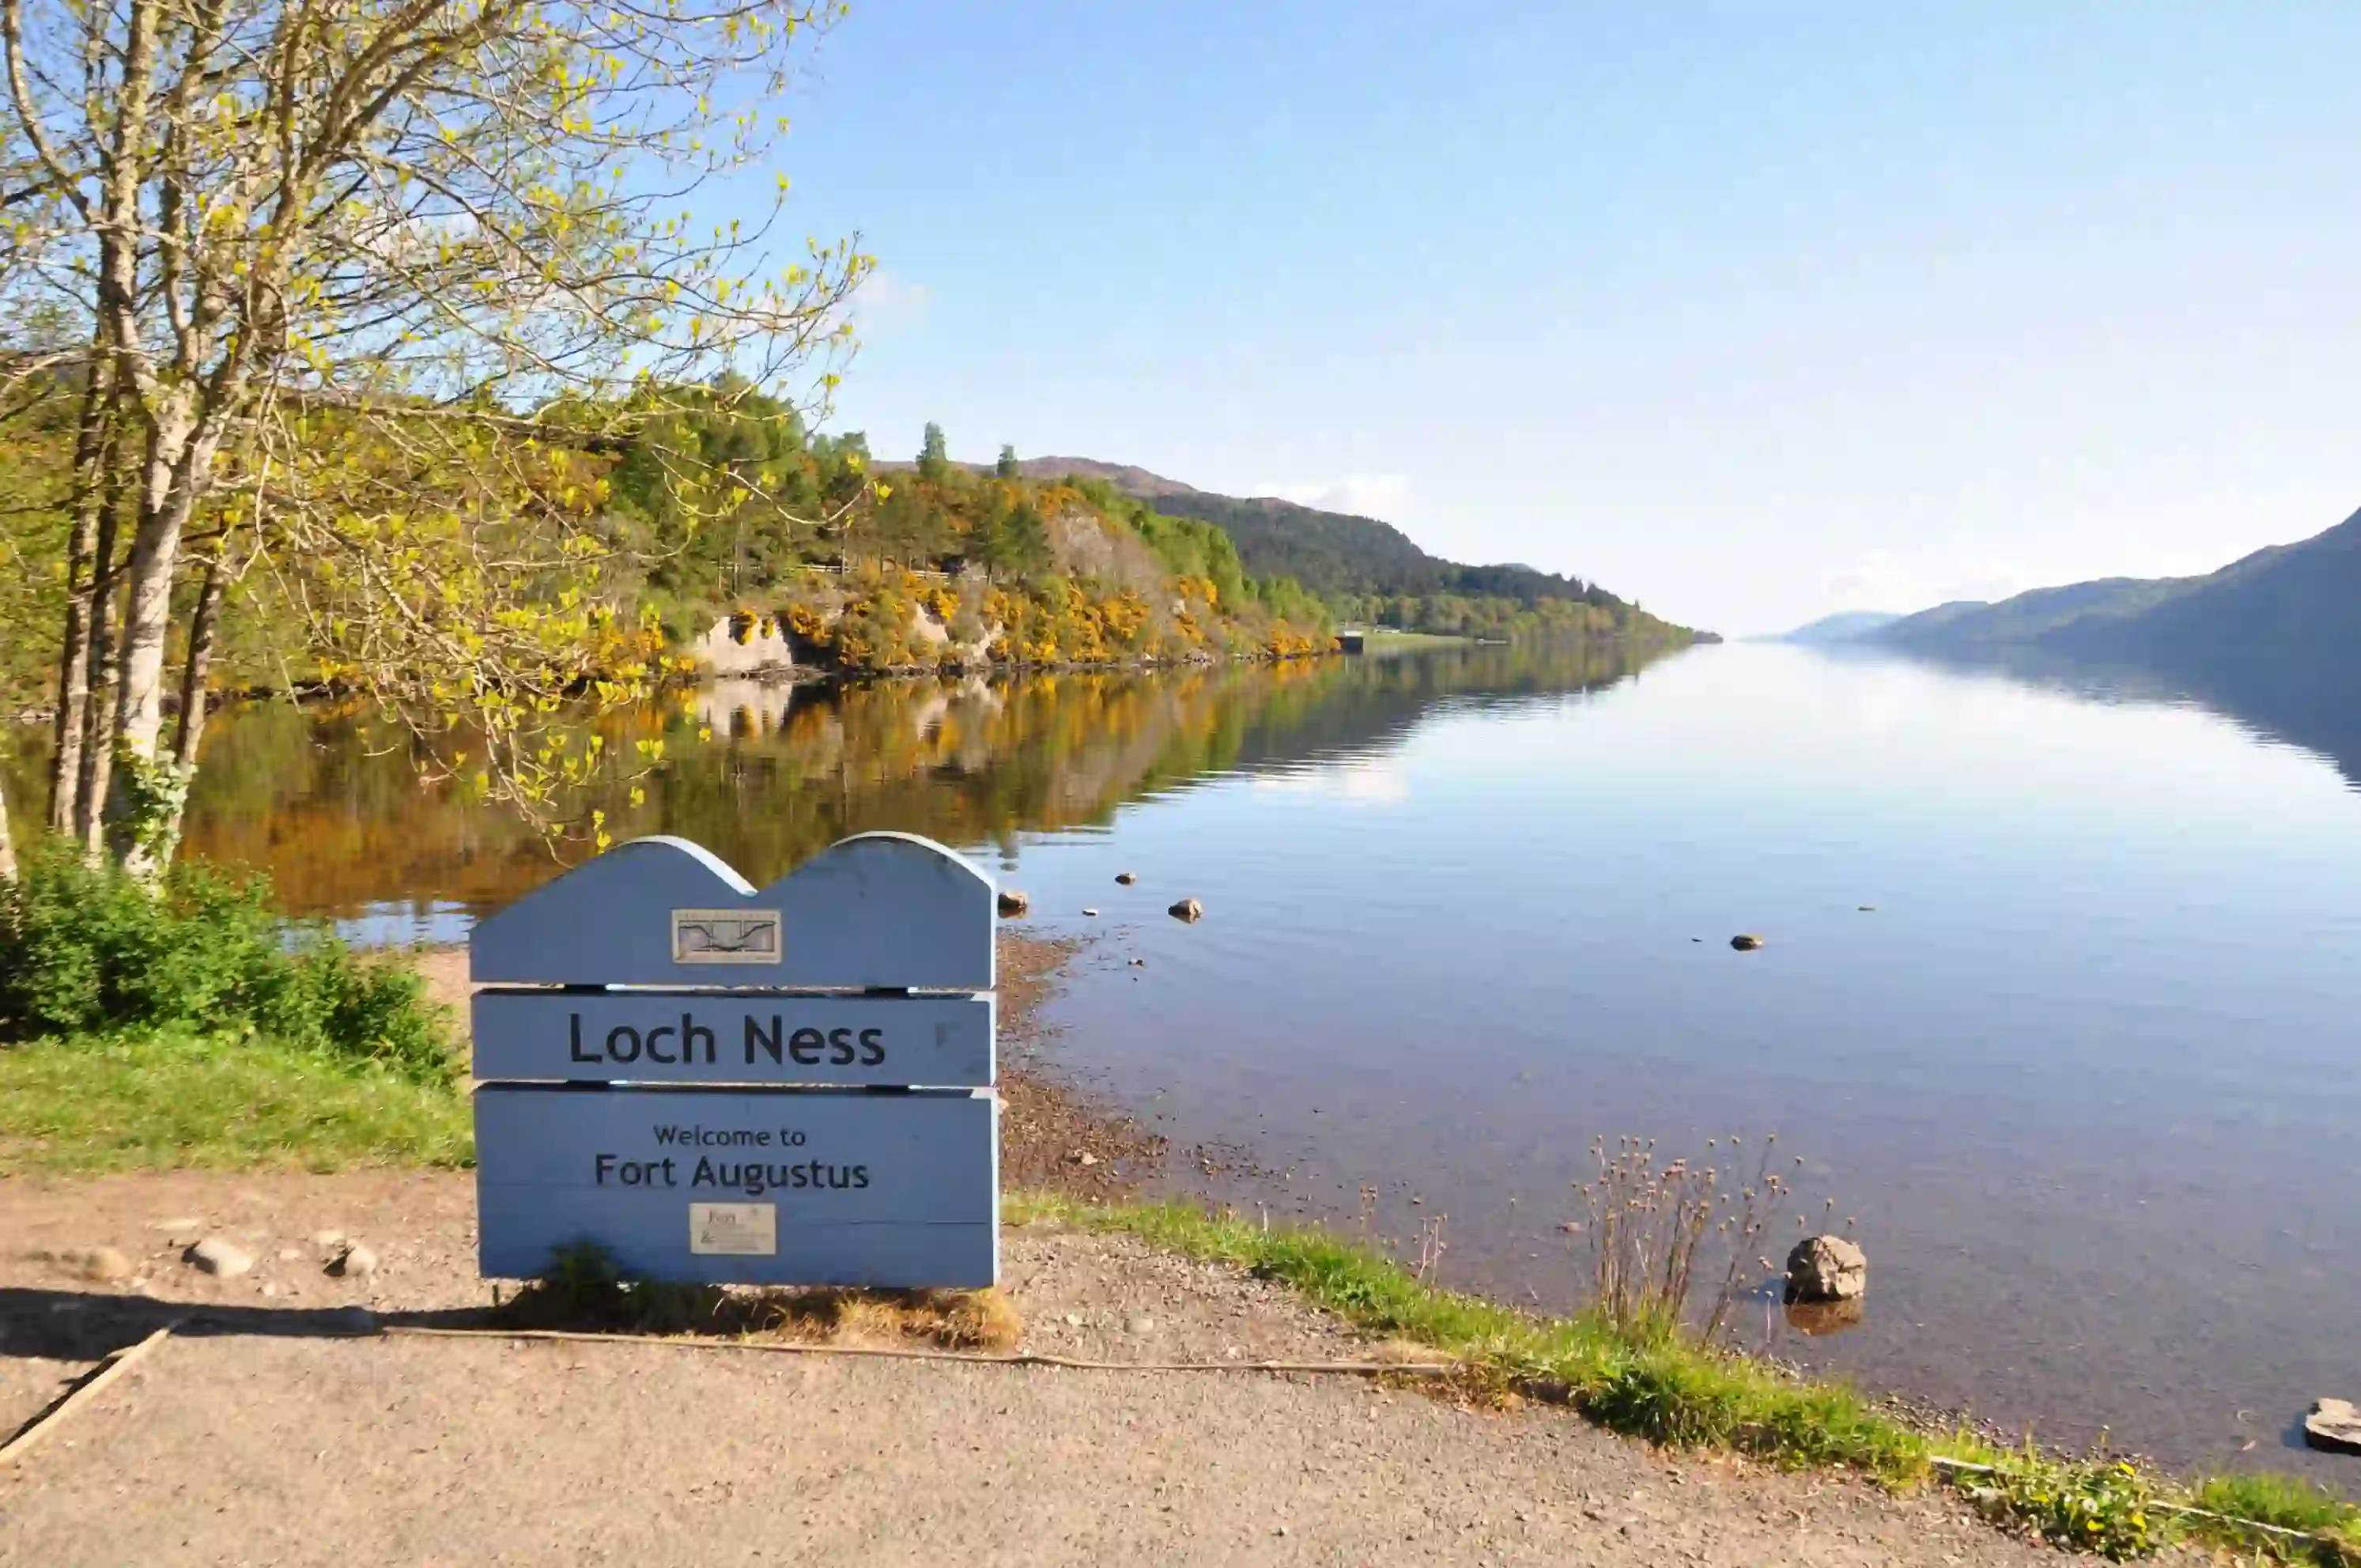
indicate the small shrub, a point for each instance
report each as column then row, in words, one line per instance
column 2109, row 1509
column 88, row 950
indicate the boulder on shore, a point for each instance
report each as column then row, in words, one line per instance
column 2334, row 1425
column 1012, row 904
column 1827, row 1268
column 1187, row 909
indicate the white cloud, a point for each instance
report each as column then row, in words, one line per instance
column 1385, row 496
column 886, row 303
column 1879, row 581
column 1372, row 782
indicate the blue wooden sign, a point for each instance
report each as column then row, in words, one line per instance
column 847, row 1006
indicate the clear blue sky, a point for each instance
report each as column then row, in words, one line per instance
column 1751, row 312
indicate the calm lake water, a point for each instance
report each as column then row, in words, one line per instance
column 2085, row 1076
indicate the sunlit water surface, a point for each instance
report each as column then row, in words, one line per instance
column 2057, row 1003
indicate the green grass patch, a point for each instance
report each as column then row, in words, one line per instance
column 2286, row 1502
column 1653, row 1383
column 1385, row 639
column 79, row 1105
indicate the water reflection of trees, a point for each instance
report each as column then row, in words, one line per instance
column 332, row 805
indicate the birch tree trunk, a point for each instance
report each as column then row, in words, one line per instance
column 8, row 844
column 85, row 569
column 144, row 803
column 97, row 756
column 194, row 700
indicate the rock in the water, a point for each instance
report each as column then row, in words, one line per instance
column 2334, row 1425
column 1014, row 903
column 1089, row 912
column 1827, row 1268
column 356, row 1262
column 1125, row 878
column 215, row 1255
column 1187, row 909
column 1746, row 942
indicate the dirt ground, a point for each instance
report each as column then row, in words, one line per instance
column 279, row 1425
column 292, row 1417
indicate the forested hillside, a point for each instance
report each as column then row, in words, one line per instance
column 707, row 503
column 1368, row 571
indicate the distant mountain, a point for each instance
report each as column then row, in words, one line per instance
column 1328, row 553
column 2282, row 625
column 1842, row 627
column 2030, row 617
column 1130, row 480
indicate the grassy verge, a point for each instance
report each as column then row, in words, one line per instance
column 1659, row 1387
column 1379, row 639
column 82, row 1104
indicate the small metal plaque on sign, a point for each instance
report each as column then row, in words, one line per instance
column 734, row 1230
column 727, row 936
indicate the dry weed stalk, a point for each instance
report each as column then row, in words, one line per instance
column 1431, row 1249
column 1652, row 1224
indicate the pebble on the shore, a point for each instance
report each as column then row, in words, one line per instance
column 217, row 1256
column 356, row 1262
column 96, row 1263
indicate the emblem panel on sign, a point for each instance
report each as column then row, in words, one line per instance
column 727, row 936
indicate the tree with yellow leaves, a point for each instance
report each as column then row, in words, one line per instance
column 348, row 287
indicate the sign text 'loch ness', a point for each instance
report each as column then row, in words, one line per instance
column 734, row 1124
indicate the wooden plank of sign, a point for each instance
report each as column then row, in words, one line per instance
column 716, row 1038
column 846, row 1187
column 877, row 911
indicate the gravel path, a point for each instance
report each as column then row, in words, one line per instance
column 257, row 1435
